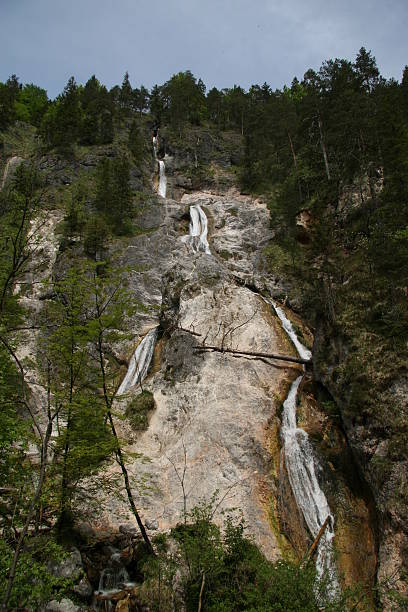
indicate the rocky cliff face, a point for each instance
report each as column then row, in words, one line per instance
column 372, row 440
column 214, row 430
column 215, row 426
column 211, row 409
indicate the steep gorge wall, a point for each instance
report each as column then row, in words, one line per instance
column 216, row 406
column 370, row 440
column 214, row 412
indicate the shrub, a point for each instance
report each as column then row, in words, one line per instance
column 229, row 571
column 137, row 411
column 33, row 584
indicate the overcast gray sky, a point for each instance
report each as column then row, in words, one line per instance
column 225, row 42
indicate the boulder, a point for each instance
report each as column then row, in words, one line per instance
column 83, row 589
column 65, row 605
column 71, row 567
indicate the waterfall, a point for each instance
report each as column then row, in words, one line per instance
column 140, row 362
column 162, row 188
column 162, row 179
column 304, row 353
column 197, row 237
column 11, row 162
column 112, row 580
column 301, row 466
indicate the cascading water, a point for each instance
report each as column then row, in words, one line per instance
column 162, row 179
column 300, row 463
column 140, row 362
column 11, row 163
column 162, row 188
column 303, row 352
column 197, row 237
column 113, row 579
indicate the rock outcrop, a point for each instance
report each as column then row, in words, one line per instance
column 212, row 409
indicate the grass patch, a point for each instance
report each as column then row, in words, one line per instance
column 19, row 139
column 225, row 254
column 138, row 409
column 277, row 259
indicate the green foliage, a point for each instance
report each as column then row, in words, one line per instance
column 114, row 197
column 277, row 258
column 96, row 235
column 181, row 99
column 74, row 220
column 338, row 131
column 31, row 104
column 65, row 124
column 136, row 143
column 137, row 410
column 230, row 571
column 17, row 207
column 125, row 95
column 84, row 439
column 14, row 430
column 9, row 94
column 140, row 99
column 34, row 584
column 79, row 115
column 97, row 113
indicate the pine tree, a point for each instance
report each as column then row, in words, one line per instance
column 126, row 95
column 104, row 191
column 136, row 142
column 122, row 201
column 9, row 94
column 90, row 125
column 141, row 99
column 66, row 125
column 84, row 440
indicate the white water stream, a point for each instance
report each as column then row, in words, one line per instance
column 198, row 229
column 140, row 362
column 162, row 179
column 162, row 188
column 301, row 467
column 113, row 579
column 11, row 163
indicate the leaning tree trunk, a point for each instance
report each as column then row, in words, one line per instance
column 323, row 146
column 119, row 453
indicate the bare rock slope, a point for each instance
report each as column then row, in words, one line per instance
column 212, row 409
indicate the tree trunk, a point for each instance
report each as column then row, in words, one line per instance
column 119, row 457
column 118, row 452
column 31, row 512
column 292, row 148
column 318, row 537
column 200, row 598
column 324, row 151
column 207, row 347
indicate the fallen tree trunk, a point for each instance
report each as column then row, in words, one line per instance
column 207, row 347
column 318, row 537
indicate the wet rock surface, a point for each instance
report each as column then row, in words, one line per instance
column 9, row 170
column 368, row 443
column 211, row 408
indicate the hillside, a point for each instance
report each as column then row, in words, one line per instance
column 203, row 345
